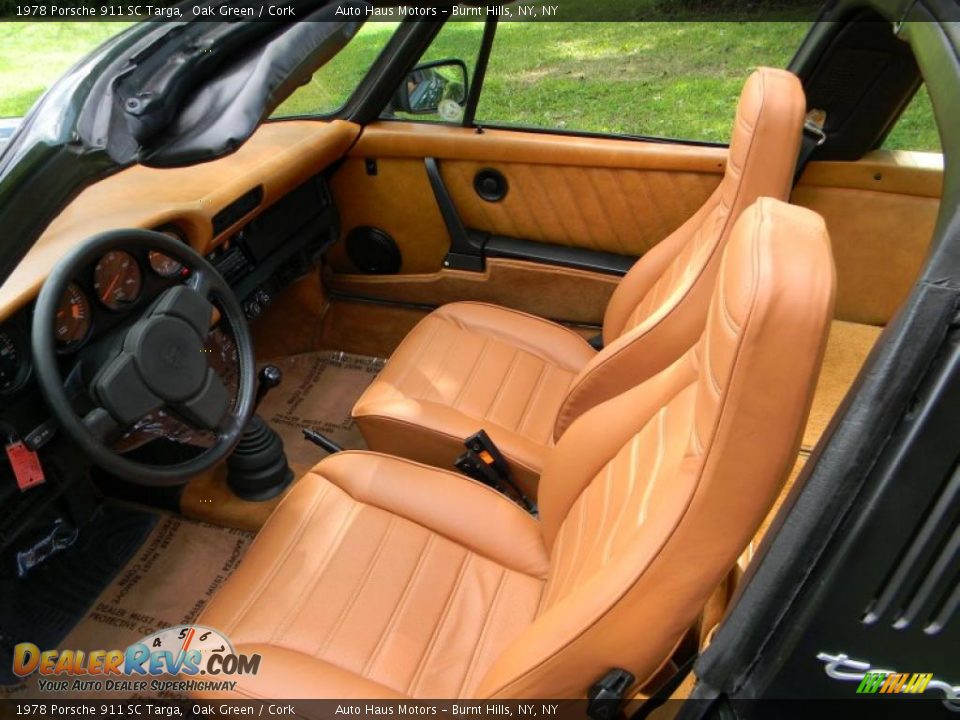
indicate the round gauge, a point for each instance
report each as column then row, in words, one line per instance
column 73, row 317
column 164, row 265
column 117, row 280
column 14, row 367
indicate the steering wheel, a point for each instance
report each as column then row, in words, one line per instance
column 159, row 362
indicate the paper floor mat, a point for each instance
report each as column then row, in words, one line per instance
column 169, row 580
column 318, row 392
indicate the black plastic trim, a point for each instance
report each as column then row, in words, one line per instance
column 480, row 71
column 463, row 254
column 237, row 210
column 571, row 257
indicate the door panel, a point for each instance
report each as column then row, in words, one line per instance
column 624, row 211
column 880, row 211
column 598, row 194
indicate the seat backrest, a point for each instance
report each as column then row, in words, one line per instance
column 657, row 312
column 649, row 498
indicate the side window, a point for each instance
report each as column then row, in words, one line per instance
column 436, row 90
column 916, row 129
column 668, row 79
column 332, row 84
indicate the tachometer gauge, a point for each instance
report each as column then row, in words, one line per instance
column 164, row 265
column 117, row 280
column 14, row 365
column 73, row 317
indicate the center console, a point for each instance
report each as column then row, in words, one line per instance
column 278, row 245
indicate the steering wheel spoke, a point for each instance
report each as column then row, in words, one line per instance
column 200, row 283
column 186, row 304
column 208, row 408
column 101, row 424
column 123, row 393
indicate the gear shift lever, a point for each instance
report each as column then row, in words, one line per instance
column 258, row 469
column 267, row 379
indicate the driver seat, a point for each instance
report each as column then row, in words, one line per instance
column 378, row 577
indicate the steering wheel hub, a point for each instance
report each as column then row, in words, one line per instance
column 169, row 355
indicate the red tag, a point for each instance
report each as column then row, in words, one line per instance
column 25, row 464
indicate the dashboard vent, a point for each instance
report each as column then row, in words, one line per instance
column 237, row 210
column 923, row 587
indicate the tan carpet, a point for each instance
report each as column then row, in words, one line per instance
column 168, row 582
column 318, row 391
column 847, row 350
column 848, row 346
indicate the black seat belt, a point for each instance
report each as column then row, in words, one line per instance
column 813, row 137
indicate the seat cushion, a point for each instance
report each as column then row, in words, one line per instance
column 470, row 366
column 381, row 577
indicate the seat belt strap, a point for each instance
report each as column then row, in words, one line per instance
column 813, row 137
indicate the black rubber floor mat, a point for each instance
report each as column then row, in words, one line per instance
column 43, row 607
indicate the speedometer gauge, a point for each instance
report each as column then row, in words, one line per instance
column 14, row 367
column 117, row 279
column 73, row 317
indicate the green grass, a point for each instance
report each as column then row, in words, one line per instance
column 34, row 55
column 671, row 79
column 668, row 79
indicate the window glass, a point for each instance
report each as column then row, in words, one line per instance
column 916, row 128
column 668, row 79
column 331, row 85
column 440, row 88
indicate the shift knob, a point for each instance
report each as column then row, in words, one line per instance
column 268, row 378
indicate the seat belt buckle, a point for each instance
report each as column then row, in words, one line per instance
column 473, row 466
column 484, row 462
column 606, row 696
column 815, row 132
column 489, row 454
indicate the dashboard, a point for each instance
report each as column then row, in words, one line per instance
column 260, row 216
column 257, row 260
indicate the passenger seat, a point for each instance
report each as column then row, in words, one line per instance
column 523, row 379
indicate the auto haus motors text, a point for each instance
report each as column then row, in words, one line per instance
column 136, row 660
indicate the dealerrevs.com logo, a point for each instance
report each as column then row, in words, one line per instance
column 203, row 656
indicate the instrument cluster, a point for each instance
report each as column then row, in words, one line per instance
column 99, row 297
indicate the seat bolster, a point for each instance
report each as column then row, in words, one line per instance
column 456, row 507
column 555, row 343
column 432, row 433
column 639, row 353
column 286, row 674
column 648, row 270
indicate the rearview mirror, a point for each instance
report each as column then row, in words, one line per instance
column 435, row 87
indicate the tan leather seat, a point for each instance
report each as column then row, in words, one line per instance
column 381, row 577
column 524, row 379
